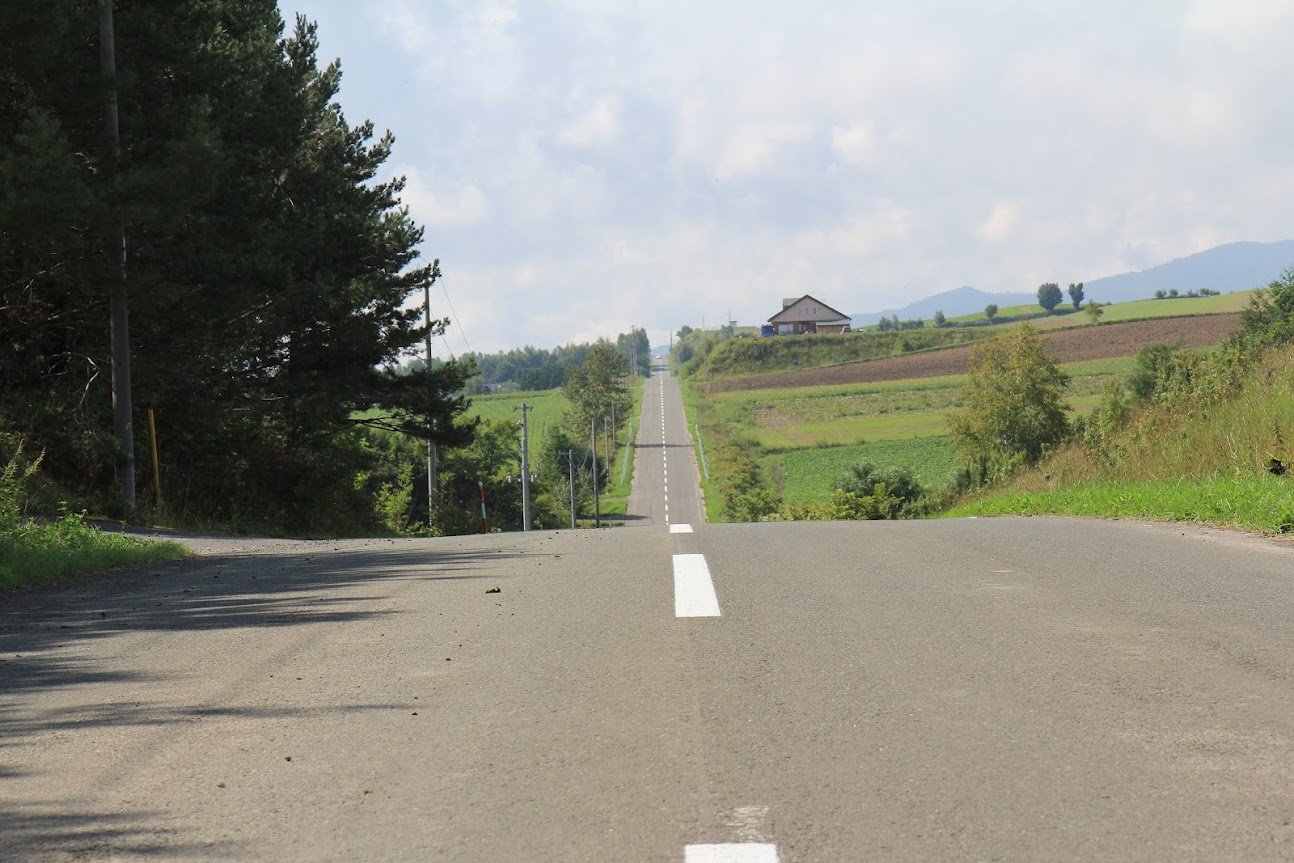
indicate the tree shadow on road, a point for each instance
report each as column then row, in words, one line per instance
column 45, row 660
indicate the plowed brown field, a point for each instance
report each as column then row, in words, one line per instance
column 1076, row 345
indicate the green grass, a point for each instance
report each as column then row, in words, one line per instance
column 1134, row 310
column 616, row 500
column 1263, row 502
column 33, row 552
column 838, row 415
column 1174, row 307
column 809, row 475
column 694, row 404
column 548, row 406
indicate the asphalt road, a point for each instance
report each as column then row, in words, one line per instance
column 666, row 485
column 1006, row 689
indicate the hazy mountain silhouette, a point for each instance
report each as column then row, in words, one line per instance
column 1231, row 267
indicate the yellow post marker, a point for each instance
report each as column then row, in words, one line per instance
column 152, row 442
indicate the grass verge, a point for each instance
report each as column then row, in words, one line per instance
column 616, row 500
column 1263, row 503
column 34, row 552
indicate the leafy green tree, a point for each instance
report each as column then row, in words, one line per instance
column 597, row 390
column 1076, row 294
column 634, row 346
column 1094, row 311
column 1013, row 401
column 990, row 311
column 1049, row 296
column 939, row 318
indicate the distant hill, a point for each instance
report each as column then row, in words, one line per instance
column 1233, row 267
column 1226, row 268
column 959, row 301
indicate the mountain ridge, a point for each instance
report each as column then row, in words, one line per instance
column 1238, row 266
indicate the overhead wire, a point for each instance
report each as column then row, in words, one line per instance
column 453, row 315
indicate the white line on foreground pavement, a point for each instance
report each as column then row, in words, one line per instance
column 693, row 590
column 680, row 528
column 742, row 852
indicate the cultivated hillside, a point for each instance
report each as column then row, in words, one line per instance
column 1073, row 345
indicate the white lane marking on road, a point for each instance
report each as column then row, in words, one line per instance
column 747, row 823
column 680, row 528
column 693, row 589
column 732, row 852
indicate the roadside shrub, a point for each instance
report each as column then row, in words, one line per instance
column 1269, row 319
column 746, row 497
column 1101, row 429
column 1014, row 404
column 1151, row 364
column 862, row 479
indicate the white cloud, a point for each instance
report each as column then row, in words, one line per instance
column 596, row 127
column 441, row 204
column 1000, row 226
column 583, row 165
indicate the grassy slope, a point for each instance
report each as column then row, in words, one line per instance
column 1136, row 310
column 808, row 475
column 547, row 414
column 795, row 418
column 33, row 552
column 751, row 357
column 810, row 435
column 1180, row 463
column 616, row 501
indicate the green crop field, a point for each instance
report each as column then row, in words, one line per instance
column 809, row 475
column 809, row 436
column 795, row 418
column 1134, row 310
column 547, row 414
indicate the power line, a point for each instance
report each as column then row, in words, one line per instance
column 453, row 315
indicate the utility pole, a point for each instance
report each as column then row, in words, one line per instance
column 431, row 421
column 593, row 445
column 570, row 460
column 525, row 465
column 119, row 320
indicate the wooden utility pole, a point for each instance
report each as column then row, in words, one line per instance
column 431, row 421
column 525, row 465
column 593, row 446
column 119, row 321
column 570, row 462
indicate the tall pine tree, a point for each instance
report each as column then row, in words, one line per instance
column 270, row 269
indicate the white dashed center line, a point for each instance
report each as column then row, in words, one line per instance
column 693, row 590
column 736, row 852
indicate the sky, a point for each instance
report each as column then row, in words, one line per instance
column 584, row 166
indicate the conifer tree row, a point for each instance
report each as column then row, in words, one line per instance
column 269, row 264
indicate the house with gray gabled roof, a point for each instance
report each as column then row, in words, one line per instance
column 808, row 315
